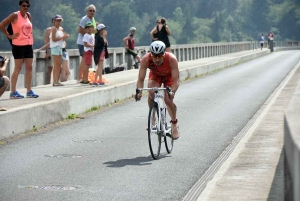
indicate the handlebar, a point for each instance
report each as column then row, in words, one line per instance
column 138, row 90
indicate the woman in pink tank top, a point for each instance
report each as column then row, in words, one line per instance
column 22, row 41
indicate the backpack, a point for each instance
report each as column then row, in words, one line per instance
column 260, row 38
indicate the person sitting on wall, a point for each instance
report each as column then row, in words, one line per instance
column 4, row 81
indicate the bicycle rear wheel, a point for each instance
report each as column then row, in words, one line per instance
column 154, row 137
column 168, row 138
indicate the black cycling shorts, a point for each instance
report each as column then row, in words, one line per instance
column 22, row 52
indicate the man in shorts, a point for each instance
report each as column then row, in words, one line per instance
column 129, row 44
column 4, row 81
column 91, row 9
column 163, row 70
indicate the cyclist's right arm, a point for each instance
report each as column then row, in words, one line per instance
column 142, row 75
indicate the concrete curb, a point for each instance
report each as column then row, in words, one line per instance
column 42, row 114
column 292, row 147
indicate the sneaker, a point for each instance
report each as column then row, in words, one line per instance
column 31, row 94
column 15, row 95
column 102, row 84
column 95, row 84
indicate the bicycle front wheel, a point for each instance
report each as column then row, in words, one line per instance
column 154, row 137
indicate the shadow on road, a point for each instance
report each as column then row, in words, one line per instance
column 277, row 188
column 139, row 161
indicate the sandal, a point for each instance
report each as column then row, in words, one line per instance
column 2, row 109
column 84, row 82
column 57, row 84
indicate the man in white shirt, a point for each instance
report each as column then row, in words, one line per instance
column 91, row 9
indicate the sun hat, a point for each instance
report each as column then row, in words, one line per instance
column 58, row 17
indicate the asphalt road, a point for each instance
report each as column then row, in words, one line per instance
column 106, row 156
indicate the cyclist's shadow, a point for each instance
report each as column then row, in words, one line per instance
column 138, row 161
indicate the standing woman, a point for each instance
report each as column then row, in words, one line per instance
column 162, row 32
column 57, row 37
column 22, row 41
column 100, row 51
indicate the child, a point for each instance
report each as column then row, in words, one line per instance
column 88, row 42
column 100, row 52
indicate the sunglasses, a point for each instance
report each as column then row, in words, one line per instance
column 25, row 6
column 92, row 11
column 157, row 56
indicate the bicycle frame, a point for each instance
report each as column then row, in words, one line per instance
column 163, row 130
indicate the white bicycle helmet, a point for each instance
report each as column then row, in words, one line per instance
column 132, row 29
column 158, row 47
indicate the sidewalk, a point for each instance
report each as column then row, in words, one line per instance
column 254, row 170
column 56, row 103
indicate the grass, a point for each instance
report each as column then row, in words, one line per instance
column 71, row 116
column 34, row 129
column 93, row 109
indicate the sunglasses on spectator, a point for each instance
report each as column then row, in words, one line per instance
column 92, row 11
column 157, row 56
column 25, row 5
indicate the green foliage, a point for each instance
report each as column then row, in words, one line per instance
column 93, row 109
column 71, row 116
column 192, row 21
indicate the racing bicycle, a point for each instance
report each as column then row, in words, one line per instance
column 159, row 129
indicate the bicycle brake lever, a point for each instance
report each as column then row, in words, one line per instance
column 169, row 90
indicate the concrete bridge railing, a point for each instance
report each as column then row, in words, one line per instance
column 119, row 57
column 292, row 147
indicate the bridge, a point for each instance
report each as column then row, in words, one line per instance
column 196, row 61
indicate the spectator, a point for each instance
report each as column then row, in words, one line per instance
column 57, row 37
column 100, row 51
column 65, row 70
column 49, row 59
column 88, row 42
column 270, row 37
column 129, row 45
column 4, row 81
column 155, row 34
column 22, row 41
column 162, row 33
column 83, row 73
column 261, row 40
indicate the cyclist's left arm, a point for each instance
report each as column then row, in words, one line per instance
column 175, row 72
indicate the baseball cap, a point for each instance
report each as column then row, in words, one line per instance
column 101, row 26
column 89, row 24
column 58, row 17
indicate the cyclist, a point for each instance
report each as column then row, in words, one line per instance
column 163, row 70
column 129, row 44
